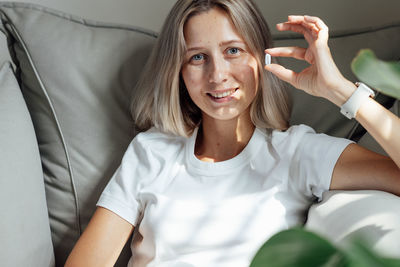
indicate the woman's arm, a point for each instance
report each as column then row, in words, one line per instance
column 383, row 125
column 102, row 241
column 357, row 168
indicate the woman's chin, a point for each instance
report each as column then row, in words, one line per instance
column 227, row 114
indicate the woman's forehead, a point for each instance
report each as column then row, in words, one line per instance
column 210, row 26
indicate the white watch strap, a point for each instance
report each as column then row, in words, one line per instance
column 350, row 108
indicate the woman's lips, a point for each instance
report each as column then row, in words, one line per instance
column 222, row 96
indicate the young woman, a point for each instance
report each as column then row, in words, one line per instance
column 217, row 170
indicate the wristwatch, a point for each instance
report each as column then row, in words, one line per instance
column 350, row 108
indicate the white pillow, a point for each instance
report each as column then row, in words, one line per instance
column 374, row 215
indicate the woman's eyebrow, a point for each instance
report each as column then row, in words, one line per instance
column 224, row 43
column 194, row 48
column 231, row 42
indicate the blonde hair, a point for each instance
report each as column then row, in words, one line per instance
column 161, row 98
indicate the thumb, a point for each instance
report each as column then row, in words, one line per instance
column 282, row 73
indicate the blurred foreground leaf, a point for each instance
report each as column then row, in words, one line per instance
column 382, row 76
column 360, row 255
column 297, row 247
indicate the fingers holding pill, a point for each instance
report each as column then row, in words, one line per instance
column 294, row 52
column 283, row 73
column 322, row 72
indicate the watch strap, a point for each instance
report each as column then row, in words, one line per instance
column 350, row 108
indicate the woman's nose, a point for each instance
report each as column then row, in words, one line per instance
column 218, row 70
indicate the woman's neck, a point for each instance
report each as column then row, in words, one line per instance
column 219, row 140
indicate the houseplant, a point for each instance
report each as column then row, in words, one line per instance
column 382, row 76
column 298, row 247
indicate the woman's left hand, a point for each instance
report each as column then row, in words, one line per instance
column 322, row 78
column 357, row 168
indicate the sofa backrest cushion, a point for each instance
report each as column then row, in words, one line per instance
column 24, row 224
column 4, row 54
column 77, row 77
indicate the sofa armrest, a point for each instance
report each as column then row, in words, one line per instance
column 372, row 215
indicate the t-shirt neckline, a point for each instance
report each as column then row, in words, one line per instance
column 223, row 167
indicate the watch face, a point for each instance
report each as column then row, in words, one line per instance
column 364, row 87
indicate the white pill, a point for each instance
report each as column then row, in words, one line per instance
column 267, row 59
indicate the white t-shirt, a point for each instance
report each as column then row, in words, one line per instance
column 187, row 212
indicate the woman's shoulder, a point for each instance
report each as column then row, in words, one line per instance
column 154, row 134
column 156, row 140
column 297, row 136
column 293, row 132
column 300, row 128
column 303, row 136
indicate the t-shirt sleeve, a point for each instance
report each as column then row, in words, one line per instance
column 121, row 193
column 315, row 158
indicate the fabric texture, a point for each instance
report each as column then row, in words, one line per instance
column 4, row 54
column 24, row 224
column 194, row 213
column 375, row 217
column 77, row 78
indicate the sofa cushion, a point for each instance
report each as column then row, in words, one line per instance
column 4, row 54
column 77, row 77
column 23, row 208
column 371, row 215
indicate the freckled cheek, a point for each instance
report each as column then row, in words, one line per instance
column 247, row 74
column 193, row 78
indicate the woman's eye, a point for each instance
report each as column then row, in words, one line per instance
column 198, row 57
column 233, row 51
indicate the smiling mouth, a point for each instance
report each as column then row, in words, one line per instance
column 219, row 95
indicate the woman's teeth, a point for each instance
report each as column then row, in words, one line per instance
column 224, row 94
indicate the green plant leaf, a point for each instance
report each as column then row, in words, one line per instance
column 297, row 247
column 360, row 255
column 390, row 262
column 382, row 76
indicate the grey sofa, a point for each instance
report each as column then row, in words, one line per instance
column 65, row 85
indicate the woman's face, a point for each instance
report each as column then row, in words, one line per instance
column 220, row 73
